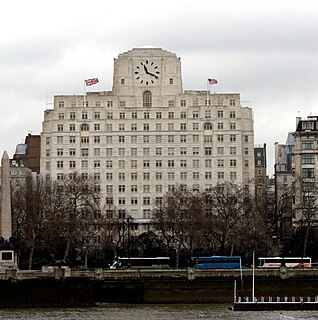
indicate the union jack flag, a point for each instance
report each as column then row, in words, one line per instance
column 90, row 82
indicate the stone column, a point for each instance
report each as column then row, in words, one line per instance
column 5, row 220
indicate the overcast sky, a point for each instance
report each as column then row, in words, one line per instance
column 264, row 50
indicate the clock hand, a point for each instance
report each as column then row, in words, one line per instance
column 151, row 74
column 146, row 70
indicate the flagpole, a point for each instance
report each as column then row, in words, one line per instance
column 207, row 93
column 84, row 93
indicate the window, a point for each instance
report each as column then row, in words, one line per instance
column 109, row 127
column 146, row 201
column 121, row 188
column 245, row 138
column 59, row 164
column 183, row 115
column 146, row 115
column 307, row 159
column 170, row 151
column 60, row 127
column 208, row 126
column 232, row 125
column 109, row 115
column 220, row 163
column 61, row 104
column 96, row 126
column 220, row 150
column 146, row 151
column 133, row 163
column 171, row 176
column 307, row 144
column 183, row 138
column 183, row 126
column 183, row 150
column 134, row 115
column 134, row 188
column 183, row 175
column 147, row 99
column 158, row 139
column 232, row 150
column 72, row 115
column 220, row 125
column 158, row 163
column 97, row 114
column 109, row 139
column 61, row 116
column 96, row 152
column 158, row 126
column 233, row 176
column 121, row 176
column 158, row 115
column 170, row 139
column 121, row 139
column 109, row 163
column 220, row 138
column 232, row 102
column 208, row 138
column 246, row 151
column 72, row 127
column 221, row 175
column 195, row 138
column 207, row 114
column 84, row 115
column 195, row 150
column 220, row 113
column 195, row 102
column 183, row 163
column 170, row 163
column 195, row 114
column 60, row 176
column 308, row 172
column 121, row 164
column 170, row 126
column 84, row 127
column 195, row 163
column 84, row 164
column 122, row 104
column 72, row 152
column 158, row 151
column 146, row 126
column 121, row 152
column 96, row 164
column 158, row 175
column 183, row 103
column 170, row 80
column 232, row 137
column 109, row 152
column 208, row 151
column 96, row 139
column 60, row 152
column 47, row 152
column 146, row 164
column 121, row 127
column 84, row 152
column 84, row 139
column 146, row 139
column 208, row 175
column 133, row 127
column 232, row 114
column 122, row 115
column 232, row 162
column 208, row 163
column 146, row 176
column 170, row 103
column 59, row 140
column 195, row 175
column 171, row 115
column 122, row 81
column 195, row 126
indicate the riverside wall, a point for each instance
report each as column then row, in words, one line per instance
column 60, row 287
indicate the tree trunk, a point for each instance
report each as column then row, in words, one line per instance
column 306, row 240
column 31, row 257
column 67, row 249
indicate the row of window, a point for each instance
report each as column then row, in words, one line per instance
column 145, row 139
column 145, row 151
column 147, row 102
column 171, row 176
column 147, row 127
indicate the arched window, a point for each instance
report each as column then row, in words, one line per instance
column 84, row 127
column 208, row 126
column 147, row 99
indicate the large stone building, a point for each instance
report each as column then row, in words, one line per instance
column 148, row 135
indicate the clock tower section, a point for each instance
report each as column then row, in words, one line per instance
column 147, row 69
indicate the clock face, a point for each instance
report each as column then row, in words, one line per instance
column 147, row 72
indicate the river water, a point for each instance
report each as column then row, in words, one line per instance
column 150, row 312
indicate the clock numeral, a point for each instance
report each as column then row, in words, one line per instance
column 146, row 61
column 136, row 72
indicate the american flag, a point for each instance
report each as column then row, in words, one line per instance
column 90, row 82
column 212, row 81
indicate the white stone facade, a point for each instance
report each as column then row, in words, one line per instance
column 148, row 135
